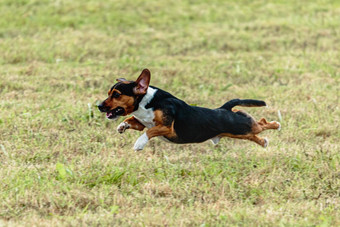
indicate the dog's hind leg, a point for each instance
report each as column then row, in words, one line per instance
column 261, row 141
column 269, row 125
column 252, row 137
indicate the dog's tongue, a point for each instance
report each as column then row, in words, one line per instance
column 108, row 114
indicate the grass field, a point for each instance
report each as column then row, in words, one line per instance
column 63, row 164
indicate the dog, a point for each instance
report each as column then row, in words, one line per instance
column 172, row 119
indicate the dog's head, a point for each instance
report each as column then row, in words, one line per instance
column 124, row 95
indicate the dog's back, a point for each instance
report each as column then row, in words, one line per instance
column 194, row 124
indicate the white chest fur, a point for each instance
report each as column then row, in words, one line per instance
column 143, row 115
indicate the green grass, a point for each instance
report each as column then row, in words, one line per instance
column 63, row 164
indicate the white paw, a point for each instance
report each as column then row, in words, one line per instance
column 279, row 128
column 215, row 140
column 122, row 127
column 141, row 142
column 266, row 143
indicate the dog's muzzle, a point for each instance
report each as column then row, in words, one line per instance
column 111, row 114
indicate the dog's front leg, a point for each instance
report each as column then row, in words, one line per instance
column 159, row 130
column 131, row 123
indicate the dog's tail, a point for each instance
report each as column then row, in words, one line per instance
column 242, row 102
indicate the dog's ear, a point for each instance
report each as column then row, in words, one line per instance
column 121, row 80
column 142, row 82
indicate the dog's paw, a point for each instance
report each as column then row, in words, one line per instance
column 122, row 127
column 215, row 140
column 141, row 142
column 279, row 128
column 266, row 143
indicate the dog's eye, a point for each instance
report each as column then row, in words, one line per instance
column 115, row 95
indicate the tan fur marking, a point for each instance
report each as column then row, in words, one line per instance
column 270, row 125
column 158, row 117
column 250, row 137
column 112, row 91
column 256, row 128
column 123, row 80
column 160, row 129
column 173, row 133
column 123, row 101
column 263, row 124
column 134, row 123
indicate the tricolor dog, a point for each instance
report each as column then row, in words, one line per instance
column 166, row 116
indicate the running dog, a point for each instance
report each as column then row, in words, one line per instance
column 172, row 119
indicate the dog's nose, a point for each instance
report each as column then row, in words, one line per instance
column 101, row 107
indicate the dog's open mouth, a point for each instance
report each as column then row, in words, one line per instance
column 115, row 113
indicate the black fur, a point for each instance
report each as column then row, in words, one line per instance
column 127, row 89
column 197, row 124
column 244, row 102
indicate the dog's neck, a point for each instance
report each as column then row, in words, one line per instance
column 142, row 114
